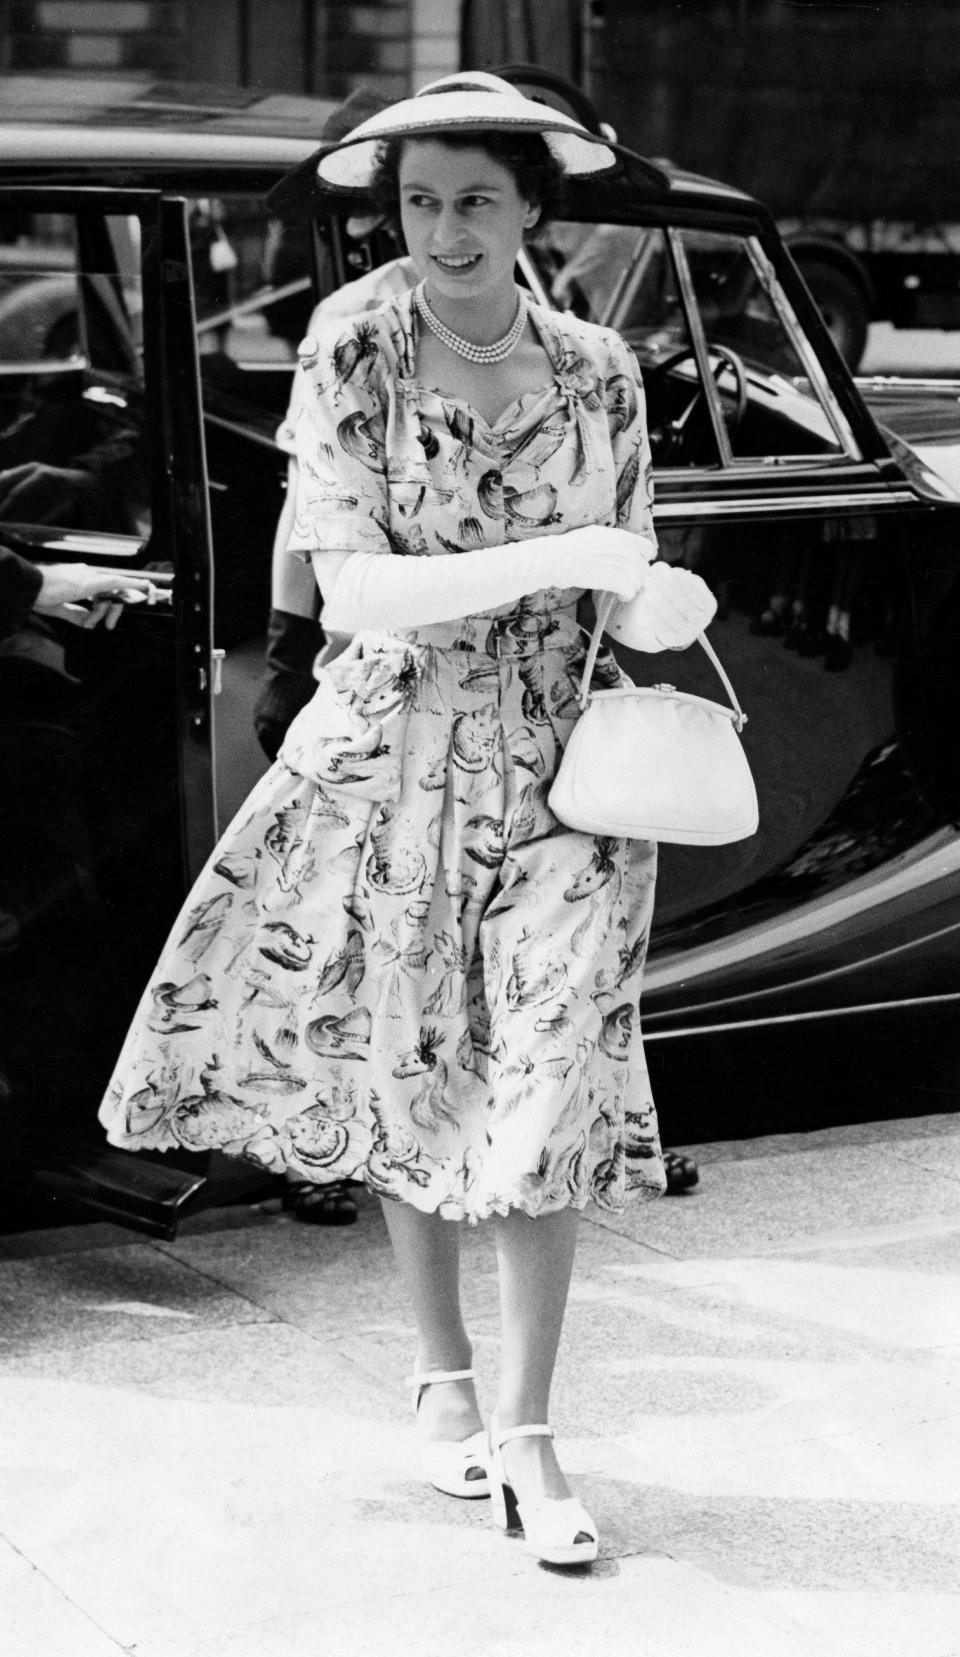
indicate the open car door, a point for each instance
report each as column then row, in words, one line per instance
column 106, row 762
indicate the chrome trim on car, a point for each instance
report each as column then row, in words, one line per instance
column 935, row 859
column 829, row 976
column 768, row 506
column 57, row 144
column 89, row 543
column 798, row 338
column 248, row 433
column 906, row 382
column 254, row 305
column 699, row 345
column 531, row 277
column 624, row 292
column 684, row 1030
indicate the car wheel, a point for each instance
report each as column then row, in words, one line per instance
column 842, row 305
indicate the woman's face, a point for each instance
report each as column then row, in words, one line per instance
column 463, row 218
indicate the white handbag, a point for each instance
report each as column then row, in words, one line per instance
column 654, row 763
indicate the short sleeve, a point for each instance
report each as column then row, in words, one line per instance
column 338, row 425
column 367, row 293
column 285, row 437
column 627, row 420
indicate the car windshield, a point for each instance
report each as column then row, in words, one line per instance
column 616, row 275
column 730, row 376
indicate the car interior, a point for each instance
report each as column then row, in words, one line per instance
column 683, row 299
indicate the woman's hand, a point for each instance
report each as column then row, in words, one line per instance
column 672, row 608
column 599, row 556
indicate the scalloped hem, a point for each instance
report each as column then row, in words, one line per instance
column 503, row 1206
column 531, row 1202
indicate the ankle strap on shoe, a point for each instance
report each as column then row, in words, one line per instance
column 431, row 1375
column 539, row 1431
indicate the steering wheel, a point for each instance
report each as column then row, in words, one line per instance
column 675, row 429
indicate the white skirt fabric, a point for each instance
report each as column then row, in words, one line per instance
column 397, row 966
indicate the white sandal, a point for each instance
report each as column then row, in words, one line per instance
column 458, row 1467
column 558, row 1529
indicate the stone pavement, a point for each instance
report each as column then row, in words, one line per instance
column 207, row 1451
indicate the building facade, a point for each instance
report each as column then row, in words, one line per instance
column 322, row 47
column 310, row 46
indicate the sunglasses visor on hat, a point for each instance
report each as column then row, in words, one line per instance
column 472, row 102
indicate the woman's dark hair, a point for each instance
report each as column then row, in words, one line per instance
column 527, row 157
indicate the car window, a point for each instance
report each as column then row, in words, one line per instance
column 38, row 287
column 766, row 400
column 771, row 410
column 251, row 278
column 253, row 293
column 624, row 276
column 71, row 393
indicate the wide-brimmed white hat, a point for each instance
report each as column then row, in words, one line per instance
column 468, row 102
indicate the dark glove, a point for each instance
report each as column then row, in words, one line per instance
column 288, row 682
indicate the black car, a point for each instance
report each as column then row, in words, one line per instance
column 150, row 305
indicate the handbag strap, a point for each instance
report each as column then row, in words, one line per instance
column 604, row 611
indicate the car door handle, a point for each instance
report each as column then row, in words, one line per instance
column 161, row 580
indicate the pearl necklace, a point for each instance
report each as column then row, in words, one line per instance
column 497, row 352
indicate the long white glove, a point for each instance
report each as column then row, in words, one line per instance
column 667, row 613
column 394, row 591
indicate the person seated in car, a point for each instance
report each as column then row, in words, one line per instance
column 47, row 588
column 44, row 846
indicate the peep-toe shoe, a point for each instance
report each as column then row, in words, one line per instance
column 558, row 1529
column 458, row 1467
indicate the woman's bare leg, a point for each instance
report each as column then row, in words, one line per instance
column 427, row 1251
column 535, row 1259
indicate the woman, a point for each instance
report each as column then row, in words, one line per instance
column 397, row 963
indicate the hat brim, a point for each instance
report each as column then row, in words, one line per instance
column 349, row 166
column 300, row 190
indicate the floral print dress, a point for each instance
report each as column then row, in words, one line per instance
column 397, row 964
